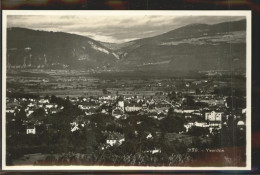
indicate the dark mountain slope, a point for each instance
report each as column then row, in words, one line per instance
column 29, row 48
column 192, row 47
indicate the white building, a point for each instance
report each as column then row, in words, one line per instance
column 43, row 101
column 31, row 130
column 187, row 111
column 10, row 111
column 51, row 105
column 117, row 113
column 241, row 125
column 74, row 126
column 121, row 104
column 153, row 151
column 213, row 116
column 29, row 112
column 215, row 124
column 133, row 108
column 115, row 138
column 31, row 105
column 195, row 124
column 109, row 97
column 149, row 136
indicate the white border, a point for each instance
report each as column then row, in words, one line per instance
column 245, row 13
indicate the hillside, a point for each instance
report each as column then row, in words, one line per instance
column 29, row 48
column 192, row 47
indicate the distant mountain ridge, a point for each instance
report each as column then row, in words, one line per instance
column 193, row 47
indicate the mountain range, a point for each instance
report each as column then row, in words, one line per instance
column 194, row 47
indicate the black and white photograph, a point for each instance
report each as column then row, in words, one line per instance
column 126, row 90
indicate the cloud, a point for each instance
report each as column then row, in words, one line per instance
column 111, row 28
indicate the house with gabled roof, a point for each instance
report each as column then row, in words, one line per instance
column 117, row 113
column 30, row 129
column 115, row 138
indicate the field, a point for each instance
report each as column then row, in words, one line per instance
column 30, row 159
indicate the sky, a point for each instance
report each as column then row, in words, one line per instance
column 112, row 29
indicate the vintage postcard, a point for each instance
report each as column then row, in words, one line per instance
column 126, row 90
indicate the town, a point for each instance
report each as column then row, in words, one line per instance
column 167, row 121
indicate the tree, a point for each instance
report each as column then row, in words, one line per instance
column 190, row 101
column 201, row 104
column 172, row 95
column 196, row 142
column 18, row 123
column 171, row 111
column 235, row 102
column 198, row 131
column 129, row 133
column 105, row 92
column 197, row 91
column 39, row 114
column 172, row 124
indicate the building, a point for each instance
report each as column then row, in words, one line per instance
column 121, row 104
column 10, row 111
column 241, row 125
column 30, row 129
column 54, row 111
column 29, row 112
column 149, row 136
column 91, row 111
column 51, row 105
column 213, row 116
column 117, row 113
column 74, row 126
column 215, row 124
column 133, row 108
column 214, row 102
column 115, row 139
column 187, row 111
column 107, row 98
column 104, row 111
column 153, row 151
column 195, row 124
column 44, row 101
